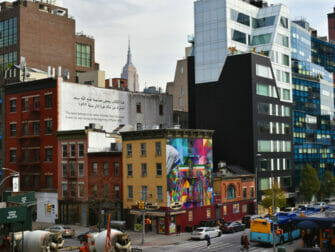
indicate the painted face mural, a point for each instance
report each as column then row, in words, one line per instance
column 189, row 166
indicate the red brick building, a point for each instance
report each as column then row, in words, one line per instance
column 89, row 176
column 31, row 123
column 45, row 35
column 235, row 190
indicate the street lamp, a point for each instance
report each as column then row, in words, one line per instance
column 12, row 174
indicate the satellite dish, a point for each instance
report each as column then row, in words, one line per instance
column 66, row 74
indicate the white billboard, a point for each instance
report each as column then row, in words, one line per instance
column 80, row 105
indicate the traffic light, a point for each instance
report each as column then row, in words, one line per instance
column 48, row 207
column 270, row 210
column 141, row 204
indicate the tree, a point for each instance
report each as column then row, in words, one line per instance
column 310, row 183
column 278, row 195
column 327, row 185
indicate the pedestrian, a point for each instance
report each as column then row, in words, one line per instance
column 178, row 230
column 208, row 239
column 244, row 242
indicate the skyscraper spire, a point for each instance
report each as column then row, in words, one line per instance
column 129, row 53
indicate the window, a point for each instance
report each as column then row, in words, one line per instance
column 264, row 108
column 139, row 126
column 48, row 154
column 264, row 146
column 64, row 189
column 12, row 129
column 238, row 36
column 286, row 94
column 144, row 170
column 12, row 156
column 285, row 182
column 285, row 77
column 130, row 192
column 25, row 129
column 73, row 189
column 83, row 55
column 231, row 192
column 72, row 150
column 244, row 193
column 288, row 164
column 287, row 128
column 264, row 184
column 129, row 170
column 285, row 60
column 24, row 104
column 181, row 69
column 265, row 164
column 161, row 111
column 138, row 108
column 48, row 181
column 80, row 190
column 95, row 190
column 48, row 126
column 64, row 170
column 105, row 190
column 158, row 149
column 282, row 40
column 288, row 146
column 180, row 101
column 48, row 100
column 251, row 192
column 159, row 193
column 80, row 169
column 36, row 128
column 80, row 150
column 144, row 193
column 182, row 91
column 264, row 71
column 12, row 105
column 263, row 22
column 117, row 191
column 263, row 127
column 239, row 17
column 284, row 22
column 105, row 168
column 129, row 150
column 261, row 39
column 263, row 89
column 36, row 102
column 158, row 169
column 143, row 149
column 95, row 169
column 236, row 208
column 64, row 150
column 72, row 169
column 244, row 208
column 116, row 169
column 287, row 111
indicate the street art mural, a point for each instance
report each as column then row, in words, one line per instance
column 189, row 166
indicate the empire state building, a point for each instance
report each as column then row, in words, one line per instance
column 129, row 72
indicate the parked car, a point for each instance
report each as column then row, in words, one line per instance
column 65, row 230
column 232, row 227
column 321, row 204
column 201, row 232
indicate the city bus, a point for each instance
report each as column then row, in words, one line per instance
column 262, row 230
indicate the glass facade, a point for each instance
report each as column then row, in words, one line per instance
column 8, row 32
column 6, row 60
column 239, row 17
column 83, row 55
column 263, row 22
column 313, row 104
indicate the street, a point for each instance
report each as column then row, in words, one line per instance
column 227, row 242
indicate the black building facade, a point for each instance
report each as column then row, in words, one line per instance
column 253, row 128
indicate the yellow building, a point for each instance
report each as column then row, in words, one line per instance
column 171, row 170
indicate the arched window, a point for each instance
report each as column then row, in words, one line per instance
column 231, row 192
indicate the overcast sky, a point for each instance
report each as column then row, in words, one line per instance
column 158, row 31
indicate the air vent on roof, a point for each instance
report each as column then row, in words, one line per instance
column 59, row 12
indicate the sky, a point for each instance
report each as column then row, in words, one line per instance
column 158, row 31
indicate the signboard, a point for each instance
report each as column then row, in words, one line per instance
column 80, row 105
column 13, row 214
column 16, row 184
column 24, row 199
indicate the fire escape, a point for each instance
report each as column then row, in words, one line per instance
column 29, row 159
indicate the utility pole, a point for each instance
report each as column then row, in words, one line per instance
column 273, row 219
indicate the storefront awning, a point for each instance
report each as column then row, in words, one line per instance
column 178, row 212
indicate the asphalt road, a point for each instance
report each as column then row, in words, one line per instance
column 227, row 242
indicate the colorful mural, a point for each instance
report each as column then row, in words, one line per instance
column 189, row 166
